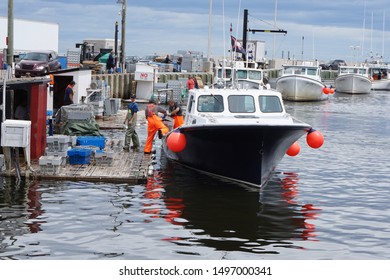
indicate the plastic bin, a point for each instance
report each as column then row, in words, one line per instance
column 97, row 141
column 57, row 143
column 104, row 157
column 79, row 156
column 50, row 165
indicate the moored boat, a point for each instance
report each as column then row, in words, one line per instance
column 238, row 134
column 245, row 74
column 353, row 80
column 301, row 83
column 379, row 77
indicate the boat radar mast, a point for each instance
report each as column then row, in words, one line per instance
column 245, row 31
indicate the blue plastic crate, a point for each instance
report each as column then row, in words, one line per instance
column 79, row 156
column 97, row 141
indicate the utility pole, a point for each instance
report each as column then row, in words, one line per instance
column 10, row 36
column 123, row 34
column 116, row 44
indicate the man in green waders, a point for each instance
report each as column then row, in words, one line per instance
column 131, row 120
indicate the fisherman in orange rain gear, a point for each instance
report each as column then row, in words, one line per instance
column 155, row 124
column 176, row 113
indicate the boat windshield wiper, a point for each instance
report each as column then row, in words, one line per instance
column 221, row 102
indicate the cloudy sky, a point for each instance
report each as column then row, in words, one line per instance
column 323, row 30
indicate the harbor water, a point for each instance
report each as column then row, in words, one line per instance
column 327, row 203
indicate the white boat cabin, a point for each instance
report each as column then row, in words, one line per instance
column 379, row 72
column 240, row 71
column 311, row 71
column 219, row 105
column 364, row 71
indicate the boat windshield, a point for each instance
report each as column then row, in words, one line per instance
column 255, row 75
column 312, row 71
column 270, row 104
column 241, row 104
column 361, row 71
column 293, row 70
column 210, row 103
column 242, row 74
column 228, row 73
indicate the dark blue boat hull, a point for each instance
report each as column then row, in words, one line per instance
column 246, row 154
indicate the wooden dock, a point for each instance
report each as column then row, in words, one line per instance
column 125, row 167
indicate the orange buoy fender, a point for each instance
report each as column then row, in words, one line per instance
column 176, row 142
column 294, row 149
column 314, row 138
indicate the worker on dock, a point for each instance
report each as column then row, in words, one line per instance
column 176, row 113
column 155, row 124
column 190, row 83
column 131, row 121
column 69, row 93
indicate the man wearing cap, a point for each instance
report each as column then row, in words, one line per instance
column 69, row 93
column 131, row 121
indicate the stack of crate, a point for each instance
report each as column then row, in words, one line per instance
column 50, row 165
column 97, row 145
column 73, row 58
column 177, row 88
column 55, row 154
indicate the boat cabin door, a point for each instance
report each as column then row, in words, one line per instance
column 191, row 107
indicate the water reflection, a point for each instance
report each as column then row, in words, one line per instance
column 177, row 213
column 229, row 217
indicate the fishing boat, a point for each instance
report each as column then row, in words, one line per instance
column 379, row 74
column 301, row 83
column 353, row 80
column 244, row 74
column 238, row 134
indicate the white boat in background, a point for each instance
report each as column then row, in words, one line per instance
column 301, row 83
column 379, row 74
column 353, row 80
column 246, row 74
column 237, row 134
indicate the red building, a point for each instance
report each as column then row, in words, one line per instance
column 30, row 93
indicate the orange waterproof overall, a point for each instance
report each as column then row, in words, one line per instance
column 154, row 124
column 177, row 121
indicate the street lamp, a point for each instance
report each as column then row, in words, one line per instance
column 123, row 34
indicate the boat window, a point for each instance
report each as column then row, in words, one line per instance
column 289, row 70
column 363, row 71
column 241, row 104
column 270, row 104
column 242, row 74
column 311, row 72
column 210, row 103
column 255, row 75
column 228, row 73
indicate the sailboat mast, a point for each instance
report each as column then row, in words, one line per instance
column 209, row 39
column 383, row 35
